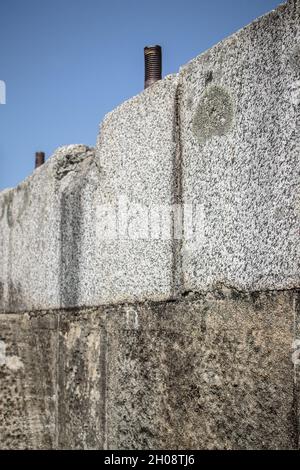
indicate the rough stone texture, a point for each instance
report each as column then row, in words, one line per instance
column 207, row 372
column 36, row 231
column 296, row 360
column 137, row 153
column 222, row 135
column 183, row 361
column 28, row 384
column 53, row 250
column 210, row 373
column 240, row 134
column 82, row 381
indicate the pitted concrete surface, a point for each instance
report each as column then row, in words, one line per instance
column 118, row 332
column 28, row 389
column 207, row 372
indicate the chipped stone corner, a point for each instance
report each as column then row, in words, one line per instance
column 68, row 159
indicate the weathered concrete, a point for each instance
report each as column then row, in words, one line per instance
column 82, row 365
column 240, row 134
column 207, row 372
column 28, row 386
column 142, row 332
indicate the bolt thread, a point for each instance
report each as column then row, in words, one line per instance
column 153, row 65
column 39, row 159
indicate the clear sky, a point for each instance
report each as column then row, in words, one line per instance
column 66, row 63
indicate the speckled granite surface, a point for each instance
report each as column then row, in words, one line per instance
column 240, row 133
column 38, row 230
column 136, row 150
column 167, row 333
column 53, row 246
column 220, row 138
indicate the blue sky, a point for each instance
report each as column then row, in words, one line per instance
column 66, row 63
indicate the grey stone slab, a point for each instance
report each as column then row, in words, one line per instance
column 213, row 368
column 239, row 115
column 33, row 230
column 55, row 249
column 137, row 155
column 213, row 372
column 221, row 138
column 82, row 365
column 28, row 382
column 132, row 173
column 296, row 358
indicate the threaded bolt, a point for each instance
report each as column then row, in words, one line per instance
column 39, row 159
column 153, row 64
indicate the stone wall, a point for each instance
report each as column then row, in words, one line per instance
column 149, row 288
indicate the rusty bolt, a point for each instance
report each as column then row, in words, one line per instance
column 153, row 64
column 39, row 159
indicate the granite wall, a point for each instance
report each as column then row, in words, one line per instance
column 149, row 287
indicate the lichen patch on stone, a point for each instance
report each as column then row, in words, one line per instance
column 214, row 114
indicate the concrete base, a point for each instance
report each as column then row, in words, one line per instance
column 204, row 372
column 118, row 253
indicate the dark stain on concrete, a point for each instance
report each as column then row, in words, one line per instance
column 177, row 222
column 103, row 385
column 6, row 208
column 209, row 371
column 25, row 189
column 82, row 382
column 26, row 393
column 2, row 207
column 1, row 294
column 70, row 245
column 15, row 297
column 209, row 76
column 71, row 222
column 296, row 408
column 294, row 59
